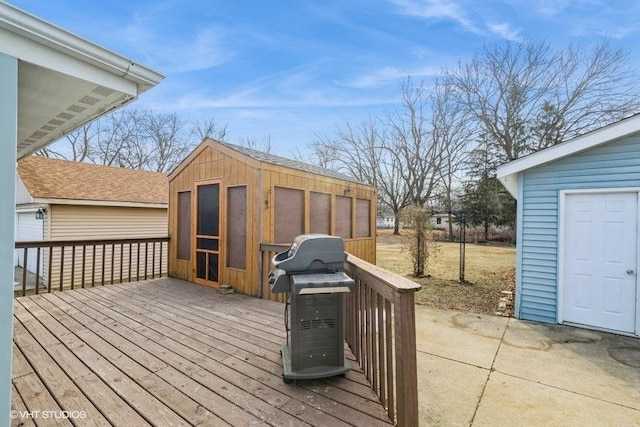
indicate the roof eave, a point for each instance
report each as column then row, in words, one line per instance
column 508, row 172
column 113, row 203
column 30, row 27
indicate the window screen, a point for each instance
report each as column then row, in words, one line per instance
column 288, row 214
column 237, row 227
column 363, row 218
column 208, row 209
column 184, row 225
column 343, row 217
column 320, row 213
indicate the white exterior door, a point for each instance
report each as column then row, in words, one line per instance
column 600, row 271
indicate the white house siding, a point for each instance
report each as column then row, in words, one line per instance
column 22, row 194
column 73, row 222
column 28, row 228
column 614, row 165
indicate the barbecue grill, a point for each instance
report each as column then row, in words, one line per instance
column 311, row 271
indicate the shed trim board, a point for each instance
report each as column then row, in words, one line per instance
column 562, row 258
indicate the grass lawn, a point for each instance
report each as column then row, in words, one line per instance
column 489, row 271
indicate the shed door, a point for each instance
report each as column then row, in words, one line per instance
column 600, row 244
column 207, row 245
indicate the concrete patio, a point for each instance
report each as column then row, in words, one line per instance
column 485, row 371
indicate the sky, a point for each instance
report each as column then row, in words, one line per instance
column 289, row 71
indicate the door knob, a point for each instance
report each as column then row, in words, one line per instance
column 630, row 271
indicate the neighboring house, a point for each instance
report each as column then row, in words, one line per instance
column 81, row 201
column 440, row 221
column 578, row 230
column 225, row 200
column 385, row 221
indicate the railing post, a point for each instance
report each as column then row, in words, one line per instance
column 38, row 270
column 61, row 265
column 84, row 262
column 381, row 333
column 25, row 259
column 73, row 264
column 406, row 360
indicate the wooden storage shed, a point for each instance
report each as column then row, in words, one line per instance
column 227, row 200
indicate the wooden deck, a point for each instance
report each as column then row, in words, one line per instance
column 167, row 352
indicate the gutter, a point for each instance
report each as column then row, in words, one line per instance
column 44, row 33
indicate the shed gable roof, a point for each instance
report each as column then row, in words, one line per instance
column 48, row 178
column 261, row 156
column 508, row 173
column 254, row 156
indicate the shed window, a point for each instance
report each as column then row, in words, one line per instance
column 363, row 218
column 184, row 225
column 320, row 213
column 237, row 227
column 288, row 214
column 343, row 217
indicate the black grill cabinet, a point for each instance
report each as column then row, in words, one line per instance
column 311, row 271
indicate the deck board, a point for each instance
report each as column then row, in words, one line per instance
column 168, row 352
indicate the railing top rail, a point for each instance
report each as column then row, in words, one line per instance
column 57, row 243
column 392, row 280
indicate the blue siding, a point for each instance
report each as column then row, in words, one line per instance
column 614, row 165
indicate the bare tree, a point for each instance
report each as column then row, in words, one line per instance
column 166, row 142
column 118, row 140
column 419, row 154
column 207, row 128
column 135, row 139
column 77, row 144
column 253, row 144
column 453, row 133
column 364, row 153
column 401, row 155
column 526, row 96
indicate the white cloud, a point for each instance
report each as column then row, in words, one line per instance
column 436, row 10
column 173, row 49
column 388, row 75
column 505, row 31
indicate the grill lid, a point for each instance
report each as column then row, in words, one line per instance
column 312, row 252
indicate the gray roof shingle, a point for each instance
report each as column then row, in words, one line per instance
column 261, row 156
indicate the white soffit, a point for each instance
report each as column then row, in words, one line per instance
column 64, row 81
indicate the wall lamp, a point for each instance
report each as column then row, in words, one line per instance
column 40, row 212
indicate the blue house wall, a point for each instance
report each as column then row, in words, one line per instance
column 613, row 165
